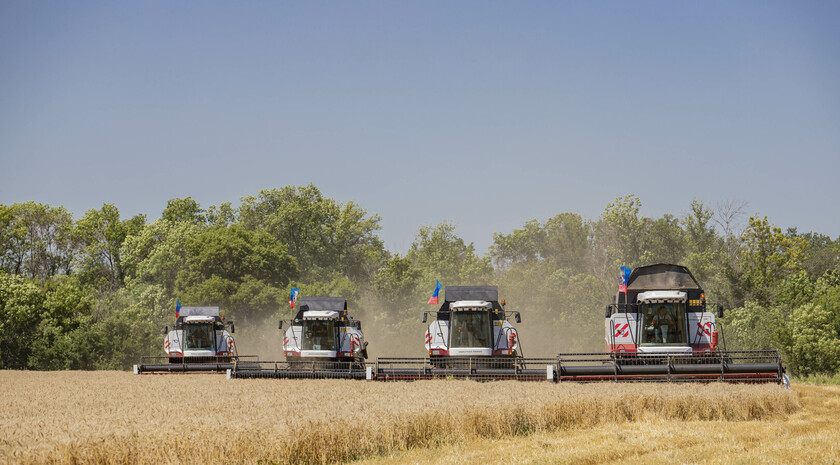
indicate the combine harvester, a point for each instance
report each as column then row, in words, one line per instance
column 198, row 343
column 471, row 337
column 658, row 329
column 322, row 341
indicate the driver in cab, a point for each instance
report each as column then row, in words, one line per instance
column 199, row 337
column 663, row 321
column 470, row 333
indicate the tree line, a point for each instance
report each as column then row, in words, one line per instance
column 95, row 292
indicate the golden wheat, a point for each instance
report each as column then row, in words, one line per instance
column 115, row 417
column 811, row 435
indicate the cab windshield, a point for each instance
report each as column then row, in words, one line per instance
column 198, row 336
column 318, row 335
column 469, row 329
column 663, row 324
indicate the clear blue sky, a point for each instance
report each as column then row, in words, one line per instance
column 485, row 114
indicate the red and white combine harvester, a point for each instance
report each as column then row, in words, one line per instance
column 323, row 341
column 471, row 337
column 658, row 329
column 198, row 343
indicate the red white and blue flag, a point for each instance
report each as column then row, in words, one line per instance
column 624, row 277
column 433, row 300
column 294, row 296
column 177, row 308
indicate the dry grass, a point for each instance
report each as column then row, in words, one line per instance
column 114, row 417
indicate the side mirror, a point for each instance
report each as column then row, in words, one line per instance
column 166, row 330
column 232, row 328
column 607, row 312
column 425, row 316
column 280, row 325
column 517, row 318
column 720, row 310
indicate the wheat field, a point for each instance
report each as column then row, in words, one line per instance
column 117, row 417
column 810, row 435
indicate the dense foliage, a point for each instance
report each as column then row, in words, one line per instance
column 95, row 292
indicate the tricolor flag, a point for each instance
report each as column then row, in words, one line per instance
column 623, row 278
column 177, row 308
column 433, row 300
column 294, row 296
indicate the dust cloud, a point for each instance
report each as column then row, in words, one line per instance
column 552, row 323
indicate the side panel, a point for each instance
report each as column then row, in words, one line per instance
column 437, row 335
column 172, row 343
column 351, row 342
column 621, row 332
column 292, row 341
column 224, row 343
column 502, row 332
column 356, row 341
column 700, row 328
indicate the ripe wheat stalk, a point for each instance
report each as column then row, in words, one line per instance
column 117, row 418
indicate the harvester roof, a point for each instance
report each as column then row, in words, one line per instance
column 310, row 305
column 485, row 293
column 335, row 304
column 199, row 311
column 470, row 305
column 660, row 277
column 320, row 315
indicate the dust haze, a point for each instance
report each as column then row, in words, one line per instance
column 552, row 322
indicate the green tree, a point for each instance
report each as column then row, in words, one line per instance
column 769, row 258
column 524, row 245
column 36, row 240
column 664, row 240
column 156, row 254
column 398, row 283
column 437, row 253
column 20, row 304
column 223, row 215
column 328, row 239
column 620, row 232
column 243, row 270
column 815, row 341
column 822, row 255
column 65, row 311
column 101, row 234
column 567, row 242
column 184, row 210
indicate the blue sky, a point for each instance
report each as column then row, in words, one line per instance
column 485, row 114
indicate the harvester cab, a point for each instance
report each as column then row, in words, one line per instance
column 323, row 330
column 663, row 312
column 472, row 322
